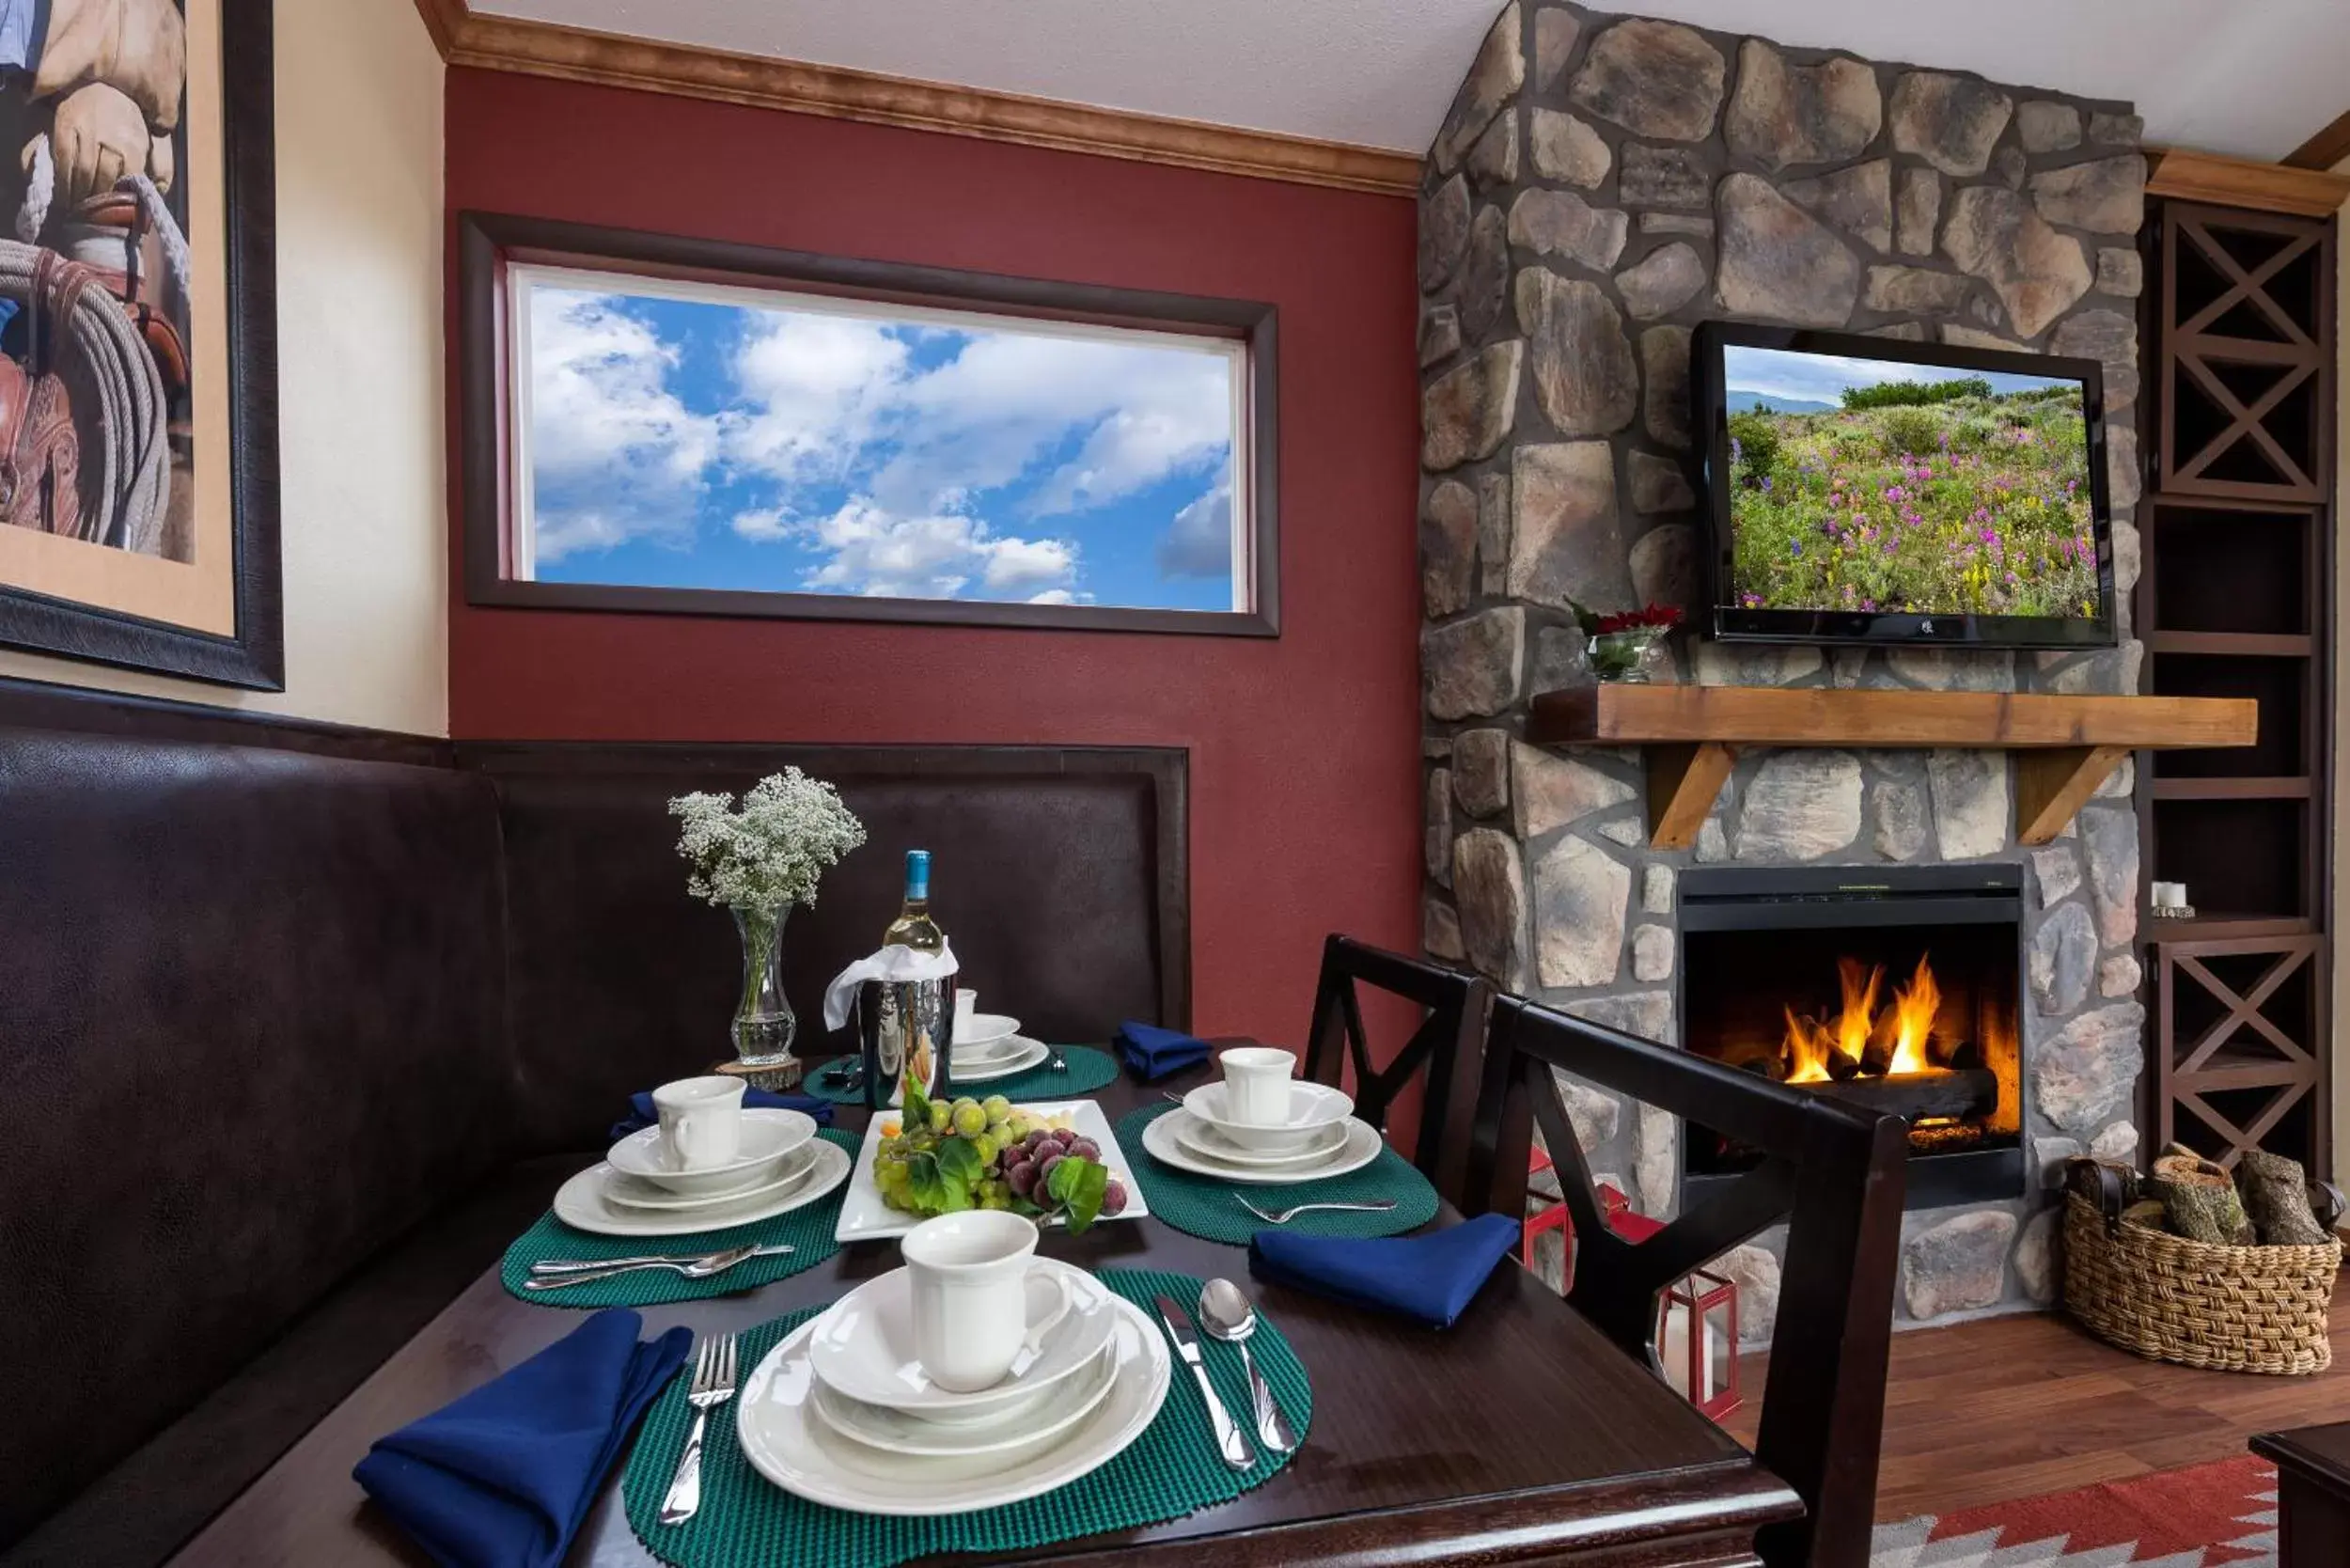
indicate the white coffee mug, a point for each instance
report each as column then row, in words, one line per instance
column 966, row 1004
column 981, row 1297
column 1257, row 1085
column 701, row 1120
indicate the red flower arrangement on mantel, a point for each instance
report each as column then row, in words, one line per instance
column 1625, row 644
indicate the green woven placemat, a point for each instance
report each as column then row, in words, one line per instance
column 1088, row 1070
column 1170, row 1471
column 1204, row 1206
column 808, row 1230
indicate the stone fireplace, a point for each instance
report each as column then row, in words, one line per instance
column 1601, row 185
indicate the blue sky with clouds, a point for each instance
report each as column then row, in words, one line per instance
column 692, row 443
column 1822, row 377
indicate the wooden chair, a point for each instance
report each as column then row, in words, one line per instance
column 1835, row 1172
column 1445, row 1049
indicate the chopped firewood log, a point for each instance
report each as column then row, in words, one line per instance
column 2147, row 1215
column 2199, row 1198
column 2276, row 1196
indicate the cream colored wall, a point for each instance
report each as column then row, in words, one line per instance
column 360, row 430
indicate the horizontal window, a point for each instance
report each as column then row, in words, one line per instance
column 919, row 445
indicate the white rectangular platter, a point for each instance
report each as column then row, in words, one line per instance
column 865, row 1217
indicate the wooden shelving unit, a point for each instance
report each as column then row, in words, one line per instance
column 2235, row 601
column 2066, row 745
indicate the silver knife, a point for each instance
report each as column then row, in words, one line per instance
column 1230, row 1443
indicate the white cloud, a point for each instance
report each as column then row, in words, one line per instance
column 816, row 388
column 1198, row 542
column 614, row 454
column 764, row 524
column 876, row 553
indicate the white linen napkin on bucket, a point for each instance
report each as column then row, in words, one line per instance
column 895, row 962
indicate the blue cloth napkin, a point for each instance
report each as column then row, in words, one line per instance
column 1153, row 1052
column 504, row 1477
column 640, row 1112
column 1429, row 1279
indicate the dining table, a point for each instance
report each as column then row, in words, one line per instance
column 1520, row 1434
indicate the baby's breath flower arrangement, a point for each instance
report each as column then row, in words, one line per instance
column 758, row 859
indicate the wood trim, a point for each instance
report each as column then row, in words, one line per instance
column 1768, row 716
column 2329, row 147
column 2181, row 174
column 2052, row 785
column 528, row 48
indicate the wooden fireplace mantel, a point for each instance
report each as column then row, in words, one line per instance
column 2068, row 744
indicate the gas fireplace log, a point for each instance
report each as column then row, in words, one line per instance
column 1956, row 1093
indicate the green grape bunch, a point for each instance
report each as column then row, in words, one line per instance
column 948, row 1156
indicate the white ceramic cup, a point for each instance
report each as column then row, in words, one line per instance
column 1257, row 1085
column 980, row 1296
column 701, row 1120
column 966, row 1004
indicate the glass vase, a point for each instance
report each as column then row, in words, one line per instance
column 1632, row 658
column 764, row 1025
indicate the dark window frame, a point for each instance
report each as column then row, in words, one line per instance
column 487, row 242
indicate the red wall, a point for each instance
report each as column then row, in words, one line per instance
column 1305, row 770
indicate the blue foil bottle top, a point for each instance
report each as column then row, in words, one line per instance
column 917, row 875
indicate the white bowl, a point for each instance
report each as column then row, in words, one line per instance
column 984, row 1029
column 769, row 1136
column 1312, row 1108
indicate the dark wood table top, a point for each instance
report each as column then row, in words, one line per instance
column 2320, row 1452
column 1520, row 1434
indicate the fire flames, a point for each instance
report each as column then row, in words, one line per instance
column 1817, row 1051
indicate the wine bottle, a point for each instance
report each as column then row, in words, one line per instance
column 917, row 1016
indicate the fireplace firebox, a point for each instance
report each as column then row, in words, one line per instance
column 1894, row 987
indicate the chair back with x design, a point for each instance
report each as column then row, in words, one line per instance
column 1834, row 1172
column 1445, row 1049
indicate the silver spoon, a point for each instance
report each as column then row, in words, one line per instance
column 1226, row 1314
column 701, row 1268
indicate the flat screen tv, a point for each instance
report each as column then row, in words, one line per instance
column 1866, row 489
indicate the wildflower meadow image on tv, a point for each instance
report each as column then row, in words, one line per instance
column 1870, row 485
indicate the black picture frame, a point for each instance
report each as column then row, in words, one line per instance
column 254, row 655
column 1730, row 623
column 487, row 242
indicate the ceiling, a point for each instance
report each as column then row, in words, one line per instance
column 2254, row 78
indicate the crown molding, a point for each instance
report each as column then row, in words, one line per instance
column 490, row 42
column 2189, row 176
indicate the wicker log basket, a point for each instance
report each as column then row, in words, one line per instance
column 2229, row 1309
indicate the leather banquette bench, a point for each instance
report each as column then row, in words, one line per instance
column 300, row 1025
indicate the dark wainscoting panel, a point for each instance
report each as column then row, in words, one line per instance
column 1061, row 876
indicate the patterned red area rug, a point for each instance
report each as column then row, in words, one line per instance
column 2221, row 1515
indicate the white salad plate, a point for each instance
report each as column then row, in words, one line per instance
column 629, row 1193
column 986, row 1070
column 1006, row 1429
column 863, row 1347
column 581, row 1203
column 1312, row 1108
column 768, row 1136
column 1361, row 1147
column 1209, row 1144
column 865, row 1215
column 984, row 1029
column 788, row 1442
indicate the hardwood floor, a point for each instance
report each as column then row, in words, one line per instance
column 2015, row 1406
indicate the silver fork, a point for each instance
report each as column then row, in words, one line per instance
column 1282, row 1216
column 712, row 1386
column 696, row 1268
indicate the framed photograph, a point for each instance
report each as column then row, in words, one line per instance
column 139, row 404
column 667, row 425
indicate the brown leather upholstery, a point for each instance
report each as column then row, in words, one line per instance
column 277, row 998
column 252, row 1033
column 1058, row 876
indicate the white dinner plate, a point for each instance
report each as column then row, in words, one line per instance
column 865, row 1216
column 1209, row 1144
column 1312, row 1108
column 986, row 1070
column 864, row 1345
column 629, row 1193
column 984, row 1029
column 768, row 1136
column 1362, row 1146
column 1019, row 1425
column 581, row 1204
column 787, row 1441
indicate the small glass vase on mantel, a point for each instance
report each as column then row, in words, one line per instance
column 1630, row 647
column 764, row 1024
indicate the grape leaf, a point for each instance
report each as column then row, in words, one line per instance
column 1076, row 1185
column 958, row 1165
column 925, row 1190
column 917, row 1107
